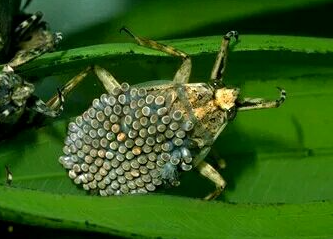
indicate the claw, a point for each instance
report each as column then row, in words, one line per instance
column 125, row 29
column 231, row 34
column 57, row 37
column 283, row 96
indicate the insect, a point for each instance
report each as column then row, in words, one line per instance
column 31, row 39
column 134, row 139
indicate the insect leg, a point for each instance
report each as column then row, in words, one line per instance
column 183, row 73
column 56, row 101
column 103, row 75
column 254, row 104
column 218, row 162
column 35, row 47
column 27, row 24
column 209, row 172
column 40, row 106
column 221, row 59
column 33, row 39
column 106, row 78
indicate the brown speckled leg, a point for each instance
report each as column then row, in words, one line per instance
column 55, row 101
column 258, row 103
column 33, row 40
column 109, row 82
column 209, row 172
column 183, row 73
column 221, row 59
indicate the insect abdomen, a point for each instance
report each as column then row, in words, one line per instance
column 130, row 141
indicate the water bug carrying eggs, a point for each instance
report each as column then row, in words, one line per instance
column 136, row 138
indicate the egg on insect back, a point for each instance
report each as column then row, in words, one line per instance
column 137, row 138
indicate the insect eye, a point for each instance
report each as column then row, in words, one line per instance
column 231, row 113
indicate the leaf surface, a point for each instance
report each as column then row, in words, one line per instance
column 273, row 156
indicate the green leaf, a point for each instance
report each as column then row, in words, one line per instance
column 116, row 52
column 167, row 216
column 273, row 156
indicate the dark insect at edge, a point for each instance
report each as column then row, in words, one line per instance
column 30, row 40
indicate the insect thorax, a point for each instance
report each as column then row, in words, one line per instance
column 211, row 119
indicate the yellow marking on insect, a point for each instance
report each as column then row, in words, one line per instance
column 201, row 112
column 225, row 98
